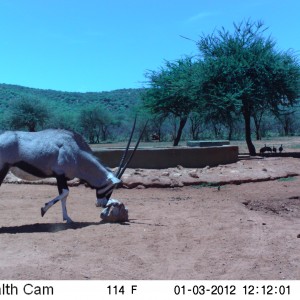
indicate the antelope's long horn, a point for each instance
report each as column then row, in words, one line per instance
column 126, row 150
column 122, row 170
column 123, row 165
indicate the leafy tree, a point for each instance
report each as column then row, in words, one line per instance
column 287, row 120
column 257, row 115
column 172, row 91
column 63, row 119
column 95, row 122
column 157, row 126
column 196, row 121
column 243, row 71
column 28, row 113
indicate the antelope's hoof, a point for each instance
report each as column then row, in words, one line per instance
column 101, row 202
column 42, row 211
column 68, row 220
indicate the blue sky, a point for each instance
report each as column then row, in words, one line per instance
column 102, row 45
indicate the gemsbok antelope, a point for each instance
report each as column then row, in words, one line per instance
column 64, row 155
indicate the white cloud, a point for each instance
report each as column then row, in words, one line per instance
column 202, row 15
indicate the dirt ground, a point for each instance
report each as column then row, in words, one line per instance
column 238, row 221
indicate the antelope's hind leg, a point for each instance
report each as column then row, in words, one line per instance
column 3, row 172
column 63, row 190
column 63, row 194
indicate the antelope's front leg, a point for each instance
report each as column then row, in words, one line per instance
column 62, row 197
column 64, row 210
column 63, row 189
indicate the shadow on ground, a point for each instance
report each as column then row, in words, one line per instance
column 46, row 227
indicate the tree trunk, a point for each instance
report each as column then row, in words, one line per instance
column 247, row 118
column 258, row 136
column 230, row 132
column 257, row 128
column 179, row 132
column 230, row 125
column 195, row 127
column 104, row 130
column 31, row 127
column 286, row 126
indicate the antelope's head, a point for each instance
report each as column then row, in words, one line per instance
column 114, row 179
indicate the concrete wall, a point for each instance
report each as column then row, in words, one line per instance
column 207, row 143
column 161, row 158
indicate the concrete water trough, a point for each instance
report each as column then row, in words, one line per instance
column 212, row 143
column 168, row 157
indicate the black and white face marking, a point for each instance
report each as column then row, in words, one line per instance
column 104, row 192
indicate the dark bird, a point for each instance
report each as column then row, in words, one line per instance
column 263, row 149
column 269, row 149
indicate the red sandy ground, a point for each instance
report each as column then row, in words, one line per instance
column 186, row 230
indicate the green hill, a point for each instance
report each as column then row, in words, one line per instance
column 65, row 110
column 117, row 100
